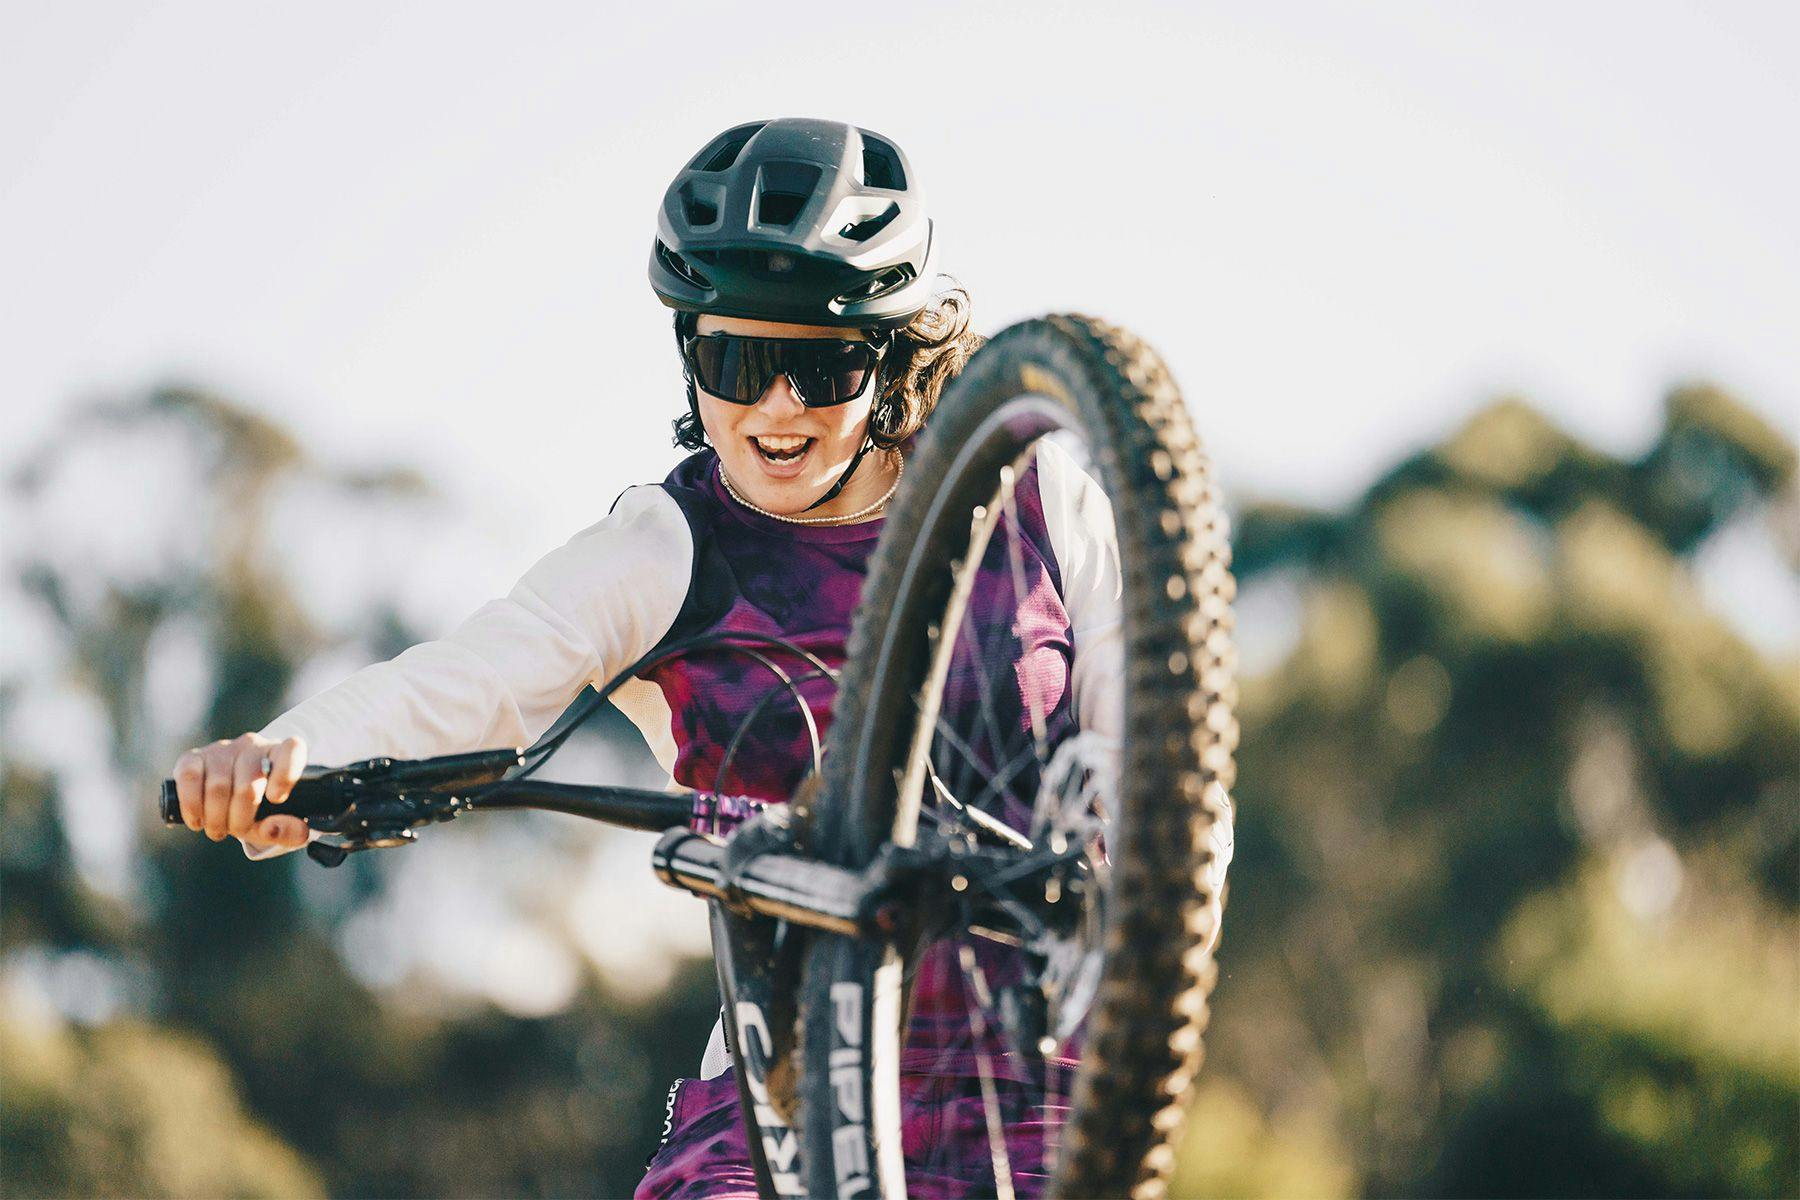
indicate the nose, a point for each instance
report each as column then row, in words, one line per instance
column 780, row 396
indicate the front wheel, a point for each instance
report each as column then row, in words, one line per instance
column 1037, row 705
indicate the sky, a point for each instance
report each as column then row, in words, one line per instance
column 417, row 233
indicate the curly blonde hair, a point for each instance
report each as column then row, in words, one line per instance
column 920, row 360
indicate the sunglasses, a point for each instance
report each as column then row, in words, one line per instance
column 824, row 371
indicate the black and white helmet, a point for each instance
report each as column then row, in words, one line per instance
column 810, row 222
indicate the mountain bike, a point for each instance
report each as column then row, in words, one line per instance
column 1038, row 899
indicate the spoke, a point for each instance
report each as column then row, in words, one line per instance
column 973, row 820
column 1025, row 866
column 981, row 648
column 970, row 638
column 995, row 935
column 1028, row 920
column 1003, row 778
column 1055, row 1105
column 968, row 634
column 1072, row 787
column 1016, row 562
column 963, row 748
column 990, row 1098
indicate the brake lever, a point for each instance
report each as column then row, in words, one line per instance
column 379, row 822
column 329, row 854
column 325, row 793
column 333, row 852
column 377, row 802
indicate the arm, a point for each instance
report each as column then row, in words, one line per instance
column 582, row 614
column 1079, row 519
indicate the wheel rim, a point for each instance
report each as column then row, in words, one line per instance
column 1173, row 678
column 1018, row 988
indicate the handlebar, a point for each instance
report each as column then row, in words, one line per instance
column 380, row 801
column 327, row 791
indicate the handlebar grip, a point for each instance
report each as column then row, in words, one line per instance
column 170, row 806
column 327, row 791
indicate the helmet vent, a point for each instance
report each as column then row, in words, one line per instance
column 779, row 208
column 881, row 165
column 881, row 285
column 699, row 212
column 868, row 227
column 680, row 266
column 729, row 146
column 783, row 188
column 701, row 200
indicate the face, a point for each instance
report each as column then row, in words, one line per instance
column 779, row 453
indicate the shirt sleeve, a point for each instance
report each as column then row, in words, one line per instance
column 1079, row 518
column 580, row 615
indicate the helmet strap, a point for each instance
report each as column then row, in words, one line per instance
column 883, row 339
column 867, row 445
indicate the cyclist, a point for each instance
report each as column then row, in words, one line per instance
column 798, row 259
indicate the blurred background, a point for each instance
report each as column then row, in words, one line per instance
column 323, row 322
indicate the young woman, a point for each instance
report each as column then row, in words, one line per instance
column 798, row 259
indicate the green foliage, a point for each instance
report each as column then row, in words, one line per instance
column 1230, row 1150
column 1513, row 909
column 131, row 1110
column 1469, row 934
column 1679, row 1032
column 270, row 1068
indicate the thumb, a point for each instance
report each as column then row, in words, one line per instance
column 286, row 761
column 284, row 831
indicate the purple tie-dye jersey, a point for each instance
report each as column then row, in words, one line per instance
column 801, row 583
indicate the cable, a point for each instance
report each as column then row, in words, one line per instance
column 540, row 752
column 750, row 719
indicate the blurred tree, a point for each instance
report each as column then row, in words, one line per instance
column 1509, row 721
column 141, row 538
column 1513, row 911
column 130, row 1110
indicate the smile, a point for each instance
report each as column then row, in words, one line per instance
column 782, row 449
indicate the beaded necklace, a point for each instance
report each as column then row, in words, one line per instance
column 899, row 470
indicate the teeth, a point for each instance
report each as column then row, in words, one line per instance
column 782, row 449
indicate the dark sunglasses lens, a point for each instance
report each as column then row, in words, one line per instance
column 728, row 368
column 825, row 371
column 836, row 372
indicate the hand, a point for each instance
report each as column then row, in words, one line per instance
column 221, row 786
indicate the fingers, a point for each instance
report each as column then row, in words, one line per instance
column 190, row 775
column 220, row 787
column 289, row 760
column 221, row 768
column 248, row 779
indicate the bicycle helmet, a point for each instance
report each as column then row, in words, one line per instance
column 810, row 222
